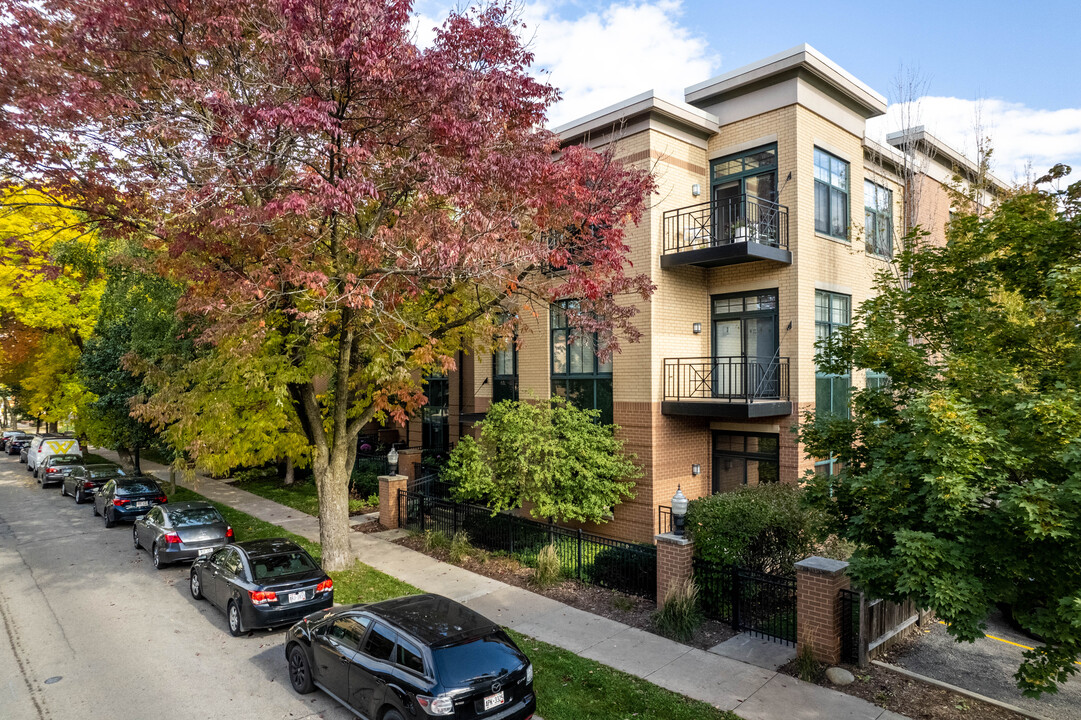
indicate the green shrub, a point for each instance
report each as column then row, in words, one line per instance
column 435, row 540
column 680, row 615
column 364, row 480
column 765, row 528
column 460, row 547
column 256, row 473
column 616, row 567
column 807, row 668
column 548, row 567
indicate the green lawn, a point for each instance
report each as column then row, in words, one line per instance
column 301, row 495
column 568, row 687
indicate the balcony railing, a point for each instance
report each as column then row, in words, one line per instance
column 732, row 228
column 738, row 380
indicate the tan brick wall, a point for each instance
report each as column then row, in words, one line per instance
column 675, row 558
column 389, row 485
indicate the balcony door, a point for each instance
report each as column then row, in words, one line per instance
column 745, row 345
column 744, row 196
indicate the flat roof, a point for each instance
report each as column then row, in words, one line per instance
column 802, row 57
column 932, row 146
column 649, row 101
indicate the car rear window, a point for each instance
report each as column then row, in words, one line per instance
column 104, row 472
column 489, row 656
column 267, row 567
column 192, row 517
column 136, row 487
column 66, row 460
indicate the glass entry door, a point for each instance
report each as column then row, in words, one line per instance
column 745, row 345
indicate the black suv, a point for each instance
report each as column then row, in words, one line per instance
column 412, row 657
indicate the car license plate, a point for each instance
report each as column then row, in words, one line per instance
column 142, row 503
column 297, row 596
column 493, row 701
column 205, row 551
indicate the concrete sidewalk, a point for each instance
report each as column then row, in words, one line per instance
column 751, row 692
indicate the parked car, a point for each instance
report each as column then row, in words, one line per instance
column 55, row 467
column 412, row 657
column 45, row 446
column 181, row 531
column 127, row 498
column 262, row 583
column 17, row 443
column 84, row 480
column 24, row 452
column 7, row 435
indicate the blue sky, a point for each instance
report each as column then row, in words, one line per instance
column 1013, row 64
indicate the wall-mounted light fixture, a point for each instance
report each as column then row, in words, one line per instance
column 697, row 328
column 696, row 469
column 696, row 189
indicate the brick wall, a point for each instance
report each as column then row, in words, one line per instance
column 675, row 556
column 818, row 608
column 389, row 485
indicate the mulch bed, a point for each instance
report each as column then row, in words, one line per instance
column 906, row 696
column 612, row 604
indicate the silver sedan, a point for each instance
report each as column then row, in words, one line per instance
column 181, row 531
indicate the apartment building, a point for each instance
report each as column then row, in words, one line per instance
column 773, row 215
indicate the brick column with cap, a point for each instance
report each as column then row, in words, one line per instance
column 408, row 458
column 675, row 555
column 818, row 607
column 389, row 485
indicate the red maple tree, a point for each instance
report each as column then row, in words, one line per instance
column 358, row 205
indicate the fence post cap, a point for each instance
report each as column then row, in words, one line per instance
column 392, row 478
column 822, row 566
column 673, row 539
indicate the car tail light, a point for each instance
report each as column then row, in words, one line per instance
column 325, row 586
column 120, row 501
column 441, row 705
column 87, row 485
column 51, row 470
column 172, row 538
column 162, row 499
column 229, row 533
column 262, row 597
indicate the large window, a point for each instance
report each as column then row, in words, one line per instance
column 577, row 373
column 435, row 416
column 878, row 218
column 744, row 459
column 832, row 311
column 505, row 373
column 831, row 195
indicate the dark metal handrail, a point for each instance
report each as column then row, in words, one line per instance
column 745, row 218
column 726, row 378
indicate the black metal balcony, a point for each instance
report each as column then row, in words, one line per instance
column 726, row 387
column 726, row 232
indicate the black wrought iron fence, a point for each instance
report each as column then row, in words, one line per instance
column 431, row 485
column 590, row 558
column 733, row 220
column 850, row 626
column 759, row 603
column 664, row 519
column 737, row 378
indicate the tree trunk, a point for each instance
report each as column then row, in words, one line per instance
column 290, row 472
column 332, row 481
column 135, row 460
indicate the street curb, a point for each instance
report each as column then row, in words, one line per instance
column 954, row 688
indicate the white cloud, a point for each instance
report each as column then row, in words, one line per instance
column 1019, row 135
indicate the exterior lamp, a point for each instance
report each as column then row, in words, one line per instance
column 696, row 469
column 696, row 327
column 392, row 461
column 679, row 511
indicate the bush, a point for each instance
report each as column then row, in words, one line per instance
column 364, row 480
column 434, row 540
column 622, row 569
column 460, row 548
column 765, row 528
column 680, row 615
column 548, row 567
column 257, row 473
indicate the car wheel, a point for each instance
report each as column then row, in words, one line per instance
column 392, row 715
column 109, row 522
column 300, row 672
column 158, row 562
column 79, row 496
column 96, row 509
column 135, row 538
column 236, row 624
column 63, row 489
column 196, row 586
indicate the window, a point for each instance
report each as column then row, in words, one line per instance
column 831, row 195
column 744, row 459
column 878, row 219
column 349, row 631
column 505, row 373
column 877, row 380
column 380, row 643
column 577, row 373
column 409, row 656
column 832, row 311
column 435, row 416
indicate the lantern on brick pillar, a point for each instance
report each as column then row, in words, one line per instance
column 679, row 511
column 392, row 461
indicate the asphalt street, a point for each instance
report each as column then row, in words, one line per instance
column 89, row 630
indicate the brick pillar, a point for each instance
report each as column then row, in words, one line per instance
column 818, row 607
column 407, row 462
column 674, row 562
column 389, row 485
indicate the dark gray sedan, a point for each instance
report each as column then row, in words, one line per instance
column 181, row 531
column 84, row 480
column 56, row 467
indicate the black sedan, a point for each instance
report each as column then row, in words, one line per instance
column 262, row 583
column 181, row 531
column 412, row 657
column 7, row 435
column 127, row 498
column 56, row 467
column 84, row 480
column 19, row 445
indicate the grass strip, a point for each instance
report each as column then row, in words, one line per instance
column 568, row 687
column 302, row 495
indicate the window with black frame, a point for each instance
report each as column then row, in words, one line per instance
column 435, row 416
column 505, row 373
column 577, row 373
column 832, row 311
column 878, row 219
column 744, row 459
column 831, row 195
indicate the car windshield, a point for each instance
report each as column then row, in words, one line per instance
column 65, row 460
column 104, row 472
column 266, row 567
column 191, row 517
column 466, row 663
column 131, row 487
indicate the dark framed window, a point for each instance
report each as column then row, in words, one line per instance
column 831, row 195
column 832, row 311
column 744, row 459
column 878, row 219
column 505, row 373
column 877, row 380
column 577, row 373
column 435, row 416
